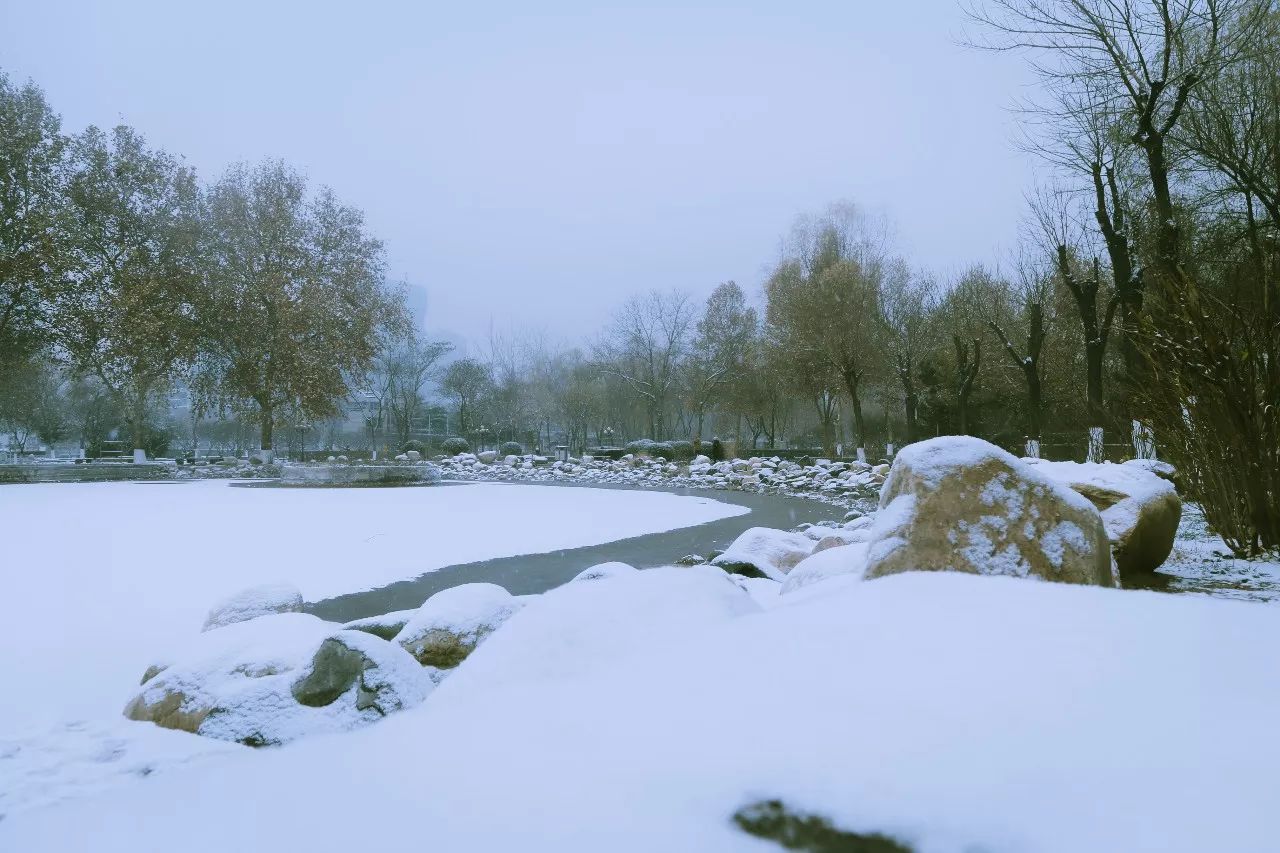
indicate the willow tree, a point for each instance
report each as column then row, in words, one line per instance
column 824, row 301
column 295, row 300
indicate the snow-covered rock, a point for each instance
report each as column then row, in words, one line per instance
column 1140, row 509
column 845, row 560
column 961, row 504
column 763, row 591
column 409, row 455
column 1161, row 469
column 765, row 552
column 488, row 457
column 385, row 625
column 604, row 570
column 279, row 677
column 451, row 623
column 254, row 602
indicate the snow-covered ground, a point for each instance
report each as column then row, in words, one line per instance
column 98, row 578
column 1202, row 563
column 640, row 711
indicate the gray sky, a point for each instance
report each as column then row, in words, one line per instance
column 535, row 163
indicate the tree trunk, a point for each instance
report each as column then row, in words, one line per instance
column 1094, row 351
column 910, row 400
column 138, row 433
column 268, row 432
column 967, row 373
column 852, row 381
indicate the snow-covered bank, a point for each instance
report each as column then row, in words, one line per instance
column 96, row 578
column 953, row 712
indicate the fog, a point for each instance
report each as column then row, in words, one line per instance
column 533, row 167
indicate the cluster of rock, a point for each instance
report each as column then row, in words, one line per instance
column 264, row 673
column 835, row 482
column 402, row 472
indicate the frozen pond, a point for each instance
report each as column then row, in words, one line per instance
column 98, row 578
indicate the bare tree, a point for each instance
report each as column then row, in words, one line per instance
column 1133, row 64
column 908, row 303
column 645, row 348
column 414, row 367
column 1027, row 357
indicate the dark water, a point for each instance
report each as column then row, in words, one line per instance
column 533, row 573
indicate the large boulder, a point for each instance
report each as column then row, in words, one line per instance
column 451, row 623
column 763, row 552
column 1140, row 509
column 961, row 504
column 279, row 677
column 254, row 602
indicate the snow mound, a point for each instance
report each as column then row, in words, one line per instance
column 451, row 623
column 764, row 552
column 962, row 504
column 253, row 602
column 604, row 570
column 276, row 678
column 579, row 627
column 953, row 712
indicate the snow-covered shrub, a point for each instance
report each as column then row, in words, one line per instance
column 454, row 446
column 510, row 448
column 413, row 444
column 681, row 451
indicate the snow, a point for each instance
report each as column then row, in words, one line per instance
column 773, row 552
column 848, row 560
column 97, row 580
column 638, row 712
column 254, row 602
column 932, row 460
column 247, row 670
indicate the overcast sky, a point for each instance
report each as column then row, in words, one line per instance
column 535, row 163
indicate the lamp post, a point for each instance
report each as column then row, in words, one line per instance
column 608, row 436
column 303, row 426
column 483, row 433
